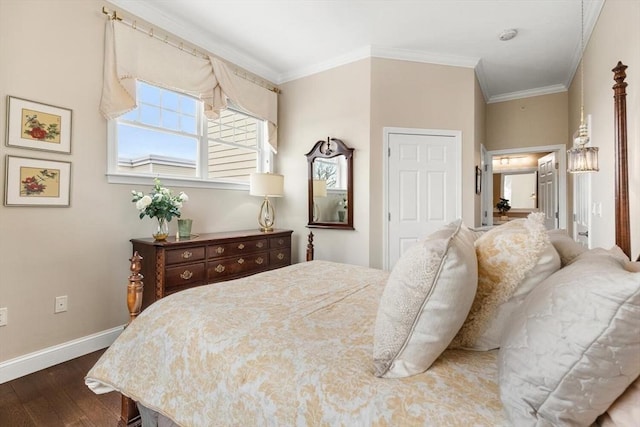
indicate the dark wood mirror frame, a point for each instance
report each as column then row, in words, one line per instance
column 329, row 149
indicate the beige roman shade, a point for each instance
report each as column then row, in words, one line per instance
column 131, row 55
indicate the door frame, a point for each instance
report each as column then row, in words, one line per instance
column 386, row 131
column 561, row 158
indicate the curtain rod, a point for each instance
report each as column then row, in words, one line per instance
column 113, row 15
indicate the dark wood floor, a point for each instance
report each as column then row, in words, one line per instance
column 57, row 396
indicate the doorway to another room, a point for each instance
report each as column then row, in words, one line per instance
column 530, row 179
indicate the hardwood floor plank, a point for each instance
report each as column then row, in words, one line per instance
column 12, row 413
column 57, row 396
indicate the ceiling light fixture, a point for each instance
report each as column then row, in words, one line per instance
column 508, row 34
column 582, row 158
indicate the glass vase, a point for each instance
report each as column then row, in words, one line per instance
column 161, row 231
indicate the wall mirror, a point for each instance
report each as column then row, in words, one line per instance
column 520, row 188
column 330, row 186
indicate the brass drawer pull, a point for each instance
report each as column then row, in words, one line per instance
column 240, row 246
column 280, row 256
column 219, row 268
column 241, row 261
column 187, row 254
column 259, row 260
column 259, row 245
column 281, row 241
column 220, row 249
column 186, row 275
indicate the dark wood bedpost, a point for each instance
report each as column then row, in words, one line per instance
column 310, row 247
column 623, row 230
column 129, row 415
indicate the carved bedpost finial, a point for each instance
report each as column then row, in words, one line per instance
column 310, row 247
column 135, row 286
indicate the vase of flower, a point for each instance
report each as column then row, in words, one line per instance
column 161, row 230
column 161, row 205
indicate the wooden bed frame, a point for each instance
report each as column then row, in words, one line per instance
column 129, row 413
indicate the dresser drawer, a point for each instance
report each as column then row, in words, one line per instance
column 236, row 248
column 279, row 257
column 175, row 256
column 184, row 275
column 279, row 242
column 244, row 264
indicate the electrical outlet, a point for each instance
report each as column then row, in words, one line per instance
column 61, row 304
column 4, row 316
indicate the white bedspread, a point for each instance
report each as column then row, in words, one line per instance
column 289, row 347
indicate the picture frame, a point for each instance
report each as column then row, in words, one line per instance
column 38, row 126
column 37, row 182
column 478, row 180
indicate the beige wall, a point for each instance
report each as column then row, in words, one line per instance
column 335, row 103
column 616, row 37
column 528, row 122
column 425, row 96
column 355, row 102
column 52, row 52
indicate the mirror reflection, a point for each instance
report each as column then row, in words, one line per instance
column 330, row 185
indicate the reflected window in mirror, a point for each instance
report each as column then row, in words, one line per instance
column 330, row 185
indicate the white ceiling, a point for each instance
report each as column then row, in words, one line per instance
column 281, row 40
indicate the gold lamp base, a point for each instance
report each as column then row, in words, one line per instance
column 266, row 216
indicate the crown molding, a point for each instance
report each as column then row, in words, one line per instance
column 353, row 56
column 547, row 90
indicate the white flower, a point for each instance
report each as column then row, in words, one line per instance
column 183, row 197
column 143, row 203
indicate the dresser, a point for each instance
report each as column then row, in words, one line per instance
column 176, row 264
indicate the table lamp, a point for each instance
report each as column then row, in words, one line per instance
column 319, row 190
column 266, row 185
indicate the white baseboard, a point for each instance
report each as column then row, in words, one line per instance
column 33, row 362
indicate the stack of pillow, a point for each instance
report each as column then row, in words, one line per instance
column 566, row 320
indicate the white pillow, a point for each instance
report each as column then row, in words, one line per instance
column 512, row 259
column 567, row 248
column 426, row 299
column 573, row 347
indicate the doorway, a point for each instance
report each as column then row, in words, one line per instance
column 560, row 167
column 422, row 186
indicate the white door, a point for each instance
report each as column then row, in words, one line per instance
column 581, row 203
column 548, row 190
column 423, row 187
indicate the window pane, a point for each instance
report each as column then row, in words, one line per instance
column 170, row 100
column 188, row 106
column 188, row 124
column 148, row 94
column 149, row 115
column 170, row 120
column 234, row 127
column 143, row 150
column 231, row 163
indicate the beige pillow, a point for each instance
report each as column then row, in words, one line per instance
column 567, row 248
column 512, row 259
column 625, row 411
column 573, row 347
column 426, row 299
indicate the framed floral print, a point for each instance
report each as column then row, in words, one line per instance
column 38, row 126
column 36, row 182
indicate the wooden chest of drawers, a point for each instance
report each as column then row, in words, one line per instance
column 172, row 266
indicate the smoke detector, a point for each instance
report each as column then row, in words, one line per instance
column 508, row 34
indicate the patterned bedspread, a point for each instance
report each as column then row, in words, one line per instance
column 289, row 347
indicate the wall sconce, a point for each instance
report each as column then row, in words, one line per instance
column 266, row 185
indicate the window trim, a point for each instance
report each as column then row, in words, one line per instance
column 264, row 162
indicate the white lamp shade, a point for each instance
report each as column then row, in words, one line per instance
column 266, row 184
column 319, row 188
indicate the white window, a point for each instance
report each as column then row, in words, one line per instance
column 168, row 136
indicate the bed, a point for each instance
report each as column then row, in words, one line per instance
column 294, row 346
